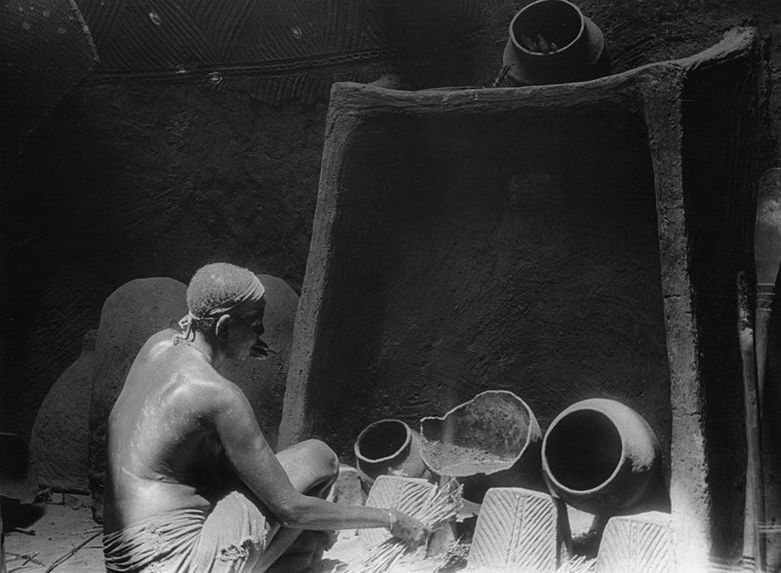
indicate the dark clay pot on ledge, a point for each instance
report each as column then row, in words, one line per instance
column 580, row 53
column 389, row 447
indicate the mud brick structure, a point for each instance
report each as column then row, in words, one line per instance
column 562, row 242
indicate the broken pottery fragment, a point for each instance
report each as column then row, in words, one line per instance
column 492, row 440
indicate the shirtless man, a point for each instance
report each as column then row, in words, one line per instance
column 192, row 484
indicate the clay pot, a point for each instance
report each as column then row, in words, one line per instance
column 600, row 456
column 389, row 447
column 493, row 440
column 580, row 54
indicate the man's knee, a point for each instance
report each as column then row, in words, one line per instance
column 311, row 466
column 323, row 459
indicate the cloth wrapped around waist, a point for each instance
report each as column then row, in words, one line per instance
column 228, row 538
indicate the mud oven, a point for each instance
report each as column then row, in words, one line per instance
column 562, row 242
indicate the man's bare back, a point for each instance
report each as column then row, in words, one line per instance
column 163, row 453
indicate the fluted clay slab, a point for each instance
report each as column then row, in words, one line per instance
column 517, row 531
column 400, row 493
column 640, row 543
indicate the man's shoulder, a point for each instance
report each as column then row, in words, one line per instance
column 205, row 389
column 154, row 346
column 162, row 336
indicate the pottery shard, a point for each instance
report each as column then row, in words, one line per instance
column 60, row 436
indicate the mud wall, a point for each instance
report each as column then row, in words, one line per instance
column 148, row 172
column 129, row 181
column 141, row 177
column 507, row 252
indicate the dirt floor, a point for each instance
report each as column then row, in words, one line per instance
column 62, row 530
column 61, row 536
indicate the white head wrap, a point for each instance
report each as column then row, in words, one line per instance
column 251, row 294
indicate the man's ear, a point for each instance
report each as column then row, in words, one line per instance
column 221, row 328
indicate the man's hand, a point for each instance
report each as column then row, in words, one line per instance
column 409, row 530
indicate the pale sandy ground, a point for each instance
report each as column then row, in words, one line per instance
column 66, row 529
column 64, row 525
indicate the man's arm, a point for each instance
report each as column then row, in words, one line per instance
column 257, row 465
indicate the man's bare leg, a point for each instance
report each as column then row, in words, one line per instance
column 312, row 468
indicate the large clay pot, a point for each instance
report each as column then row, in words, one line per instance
column 581, row 53
column 493, row 440
column 389, row 447
column 600, row 456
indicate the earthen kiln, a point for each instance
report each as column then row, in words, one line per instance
column 562, row 242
